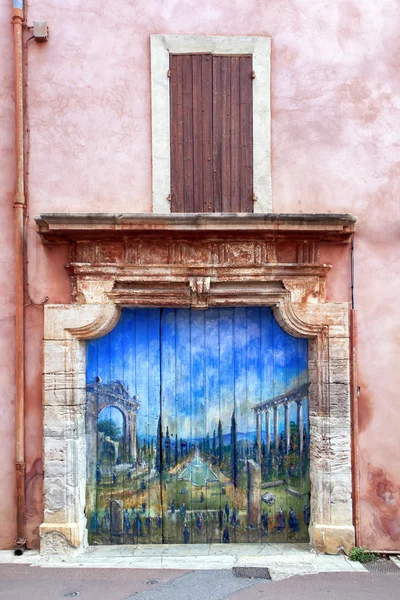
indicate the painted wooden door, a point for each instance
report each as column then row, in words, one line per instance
column 197, row 429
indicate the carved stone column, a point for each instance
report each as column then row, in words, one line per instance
column 287, row 427
column 300, row 425
column 276, row 440
column 268, row 430
column 258, row 427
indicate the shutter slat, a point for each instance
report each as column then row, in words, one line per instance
column 226, row 205
column 187, row 76
column 217, row 134
column 176, row 101
column 235, row 135
column 246, row 135
column 208, row 200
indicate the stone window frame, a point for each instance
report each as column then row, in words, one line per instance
column 162, row 46
column 326, row 325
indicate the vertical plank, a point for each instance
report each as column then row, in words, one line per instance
column 168, row 365
column 187, row 94
column 217, row 134
column 128, row 358
column 240, row 533
column 253, row 391
column 212, row 387
column 199, row 424
column 141, row 389
column 207, row 125
column 235, row 204
column 246, row 134
column 185, row 418
column 176, row 129
column 227, row 405
column 225, row 116
column 198, row 161
column 154, row 384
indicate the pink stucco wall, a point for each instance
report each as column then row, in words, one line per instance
column 335, row 123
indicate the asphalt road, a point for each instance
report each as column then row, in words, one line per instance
column 35, row 583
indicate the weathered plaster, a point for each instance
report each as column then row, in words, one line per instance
column 260, row 49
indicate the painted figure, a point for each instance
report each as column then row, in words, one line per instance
column 129, row 475
column 264, row 522
column 307, row 514
column 149, row 524
column 227, row 511
column 143, row 485
column 94, row 523
column 98, row 474
column 159, row 521
column 220, row 518
column 200, row 522
column 137, row 526
column 225, row 536
column 201, row 497
column 186, row 534
column 293, row 523
column 234, row 518
column 281, row 523
column 127, row 522
column 114, row 476
column 106, row 521
column 143, row 507
column 173, row 507
column 183, row 511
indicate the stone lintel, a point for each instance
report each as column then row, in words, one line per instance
column 66, row 227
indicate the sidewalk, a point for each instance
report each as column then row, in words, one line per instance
column 282, row 560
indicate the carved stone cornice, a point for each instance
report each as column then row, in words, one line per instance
column 66, row 227
column 126, row 259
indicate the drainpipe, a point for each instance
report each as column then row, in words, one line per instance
column 19, row 236
column 354, row 391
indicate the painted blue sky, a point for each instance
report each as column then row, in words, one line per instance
column 209, row 362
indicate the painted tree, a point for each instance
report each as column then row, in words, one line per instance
column 159, row 452
column 138, row 451
column 234, row 461
column 220, row 444
column 110, row 429
column 214, row 444
column 167, row 450
column 207, row 443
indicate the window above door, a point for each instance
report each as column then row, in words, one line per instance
column 211, row 124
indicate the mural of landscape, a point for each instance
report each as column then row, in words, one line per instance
column 197, row 429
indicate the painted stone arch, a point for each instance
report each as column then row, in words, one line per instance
column 99, row 397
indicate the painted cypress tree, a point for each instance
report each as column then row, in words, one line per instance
column 167, row 450
column 220, row 444
column 159, row 456
column 138, row 452
column 207, row 447
column 176, row 450
column 182, row 448
column 214, row 444
column 234, row 461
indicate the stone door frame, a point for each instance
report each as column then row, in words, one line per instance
column 197, row 261
column 326, row 326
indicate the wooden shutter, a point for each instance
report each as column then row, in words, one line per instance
column 211, row 133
